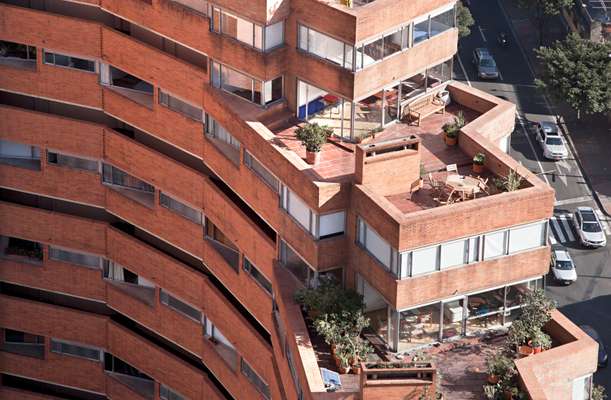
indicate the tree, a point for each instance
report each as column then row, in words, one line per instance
column 577, row 71
column 464, row 20
column 543, row 9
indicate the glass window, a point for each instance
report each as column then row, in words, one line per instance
column 515, row 294
column 393, row 43
column 273, row 90
column 70, row 62
column 526, row 237
column 86, row 260
column 581, row 388
column 180, row 208
column 274, row 35
column 368, row 115
column 494, row 244
column 180, row 306
column 237, row 28
column 439, row 74
column 325, row 47
column 298, row 209
column 485, row 310
column 425, row 260
column 261, row 171
column 115, row 176
column 19, row 155
column 17, row 50
column 442, row 22
column 223, row 140
column 474, row 249
column 373, row 51
column 421, row 31
column 413, row 86
column 61, row 347
column 258, row 37
column 72, row 161
column 331, row 224
column 453, row 253
column 180, row 106
column 222, row 345
column 166, row 393
column 295, row 264
column 257, row 276
column 255, row 379
column 453, row 313
column 324, row 108
column 419, row 326
column 378, row 247
column 236, row 83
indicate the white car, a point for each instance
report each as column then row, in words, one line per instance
column 562, row 265
column 551, row 142
column 589, row 228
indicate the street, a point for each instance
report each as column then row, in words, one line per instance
column 586, row 301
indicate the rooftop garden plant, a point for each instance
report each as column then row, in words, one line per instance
column 509, row 183
column 313, row 136
column 338, row 318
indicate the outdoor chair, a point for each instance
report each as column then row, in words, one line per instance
column 452, row 168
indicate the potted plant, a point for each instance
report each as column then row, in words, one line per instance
column 510, row 392
column 344, row 360
column 422, row 175
column 451, row 133
column 313, row 136
column 540, row 341
column 499, row 366
column 518, row 336
column 478, row 163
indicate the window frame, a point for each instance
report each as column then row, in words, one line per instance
column 76, row 344
column 45, row 52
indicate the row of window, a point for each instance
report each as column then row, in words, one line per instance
column 362, row 55
column 453, row 253
column 223, row 346
column 251, row 89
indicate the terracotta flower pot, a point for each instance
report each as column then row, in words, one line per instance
column 343, row 370
column 312, row 157
column 336, row 358
column 493, row 379
column 478, row 168
column 450, row 141
column 536, row 349
column 525, row 351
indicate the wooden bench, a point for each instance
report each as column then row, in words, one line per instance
column 421, row 108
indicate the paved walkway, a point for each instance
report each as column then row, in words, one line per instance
column 590, row 137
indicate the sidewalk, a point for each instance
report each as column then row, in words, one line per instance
column 590, row 137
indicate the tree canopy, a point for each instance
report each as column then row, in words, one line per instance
column 577, row 71
column 546, row 7
column 464, row 20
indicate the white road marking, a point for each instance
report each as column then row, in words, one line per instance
column 532, row 147
column 567, row 227
column 572, row 201
column 557, row 230
column 552, row 239
column 481, row 32
column 604, row 221
column 462, row 67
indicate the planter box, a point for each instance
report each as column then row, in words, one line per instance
column 397, row 380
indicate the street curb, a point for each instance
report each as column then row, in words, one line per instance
column 559, row 119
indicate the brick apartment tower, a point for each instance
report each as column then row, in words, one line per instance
column 157, row 212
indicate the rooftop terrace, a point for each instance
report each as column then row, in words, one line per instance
column 337, row 158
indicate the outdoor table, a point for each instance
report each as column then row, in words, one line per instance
column 464, row 185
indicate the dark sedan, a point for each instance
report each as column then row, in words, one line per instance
column 602, row 352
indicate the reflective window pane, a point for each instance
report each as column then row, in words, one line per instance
column 421, row 31
column 393, row 42
column 442, row 22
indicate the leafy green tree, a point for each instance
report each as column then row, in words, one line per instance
column 464, row 20
column 578, row 72
column 544, row 9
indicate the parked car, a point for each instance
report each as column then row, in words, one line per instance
column 603, row 358
column 563, row 267
column 551, row 142
column 589, row 228
column 485, row 64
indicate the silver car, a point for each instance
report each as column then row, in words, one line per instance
column 562, row 265
column 589, row 228
column 485, row 64
column 551, row 142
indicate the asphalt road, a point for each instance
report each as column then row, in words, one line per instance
column 588, row 300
